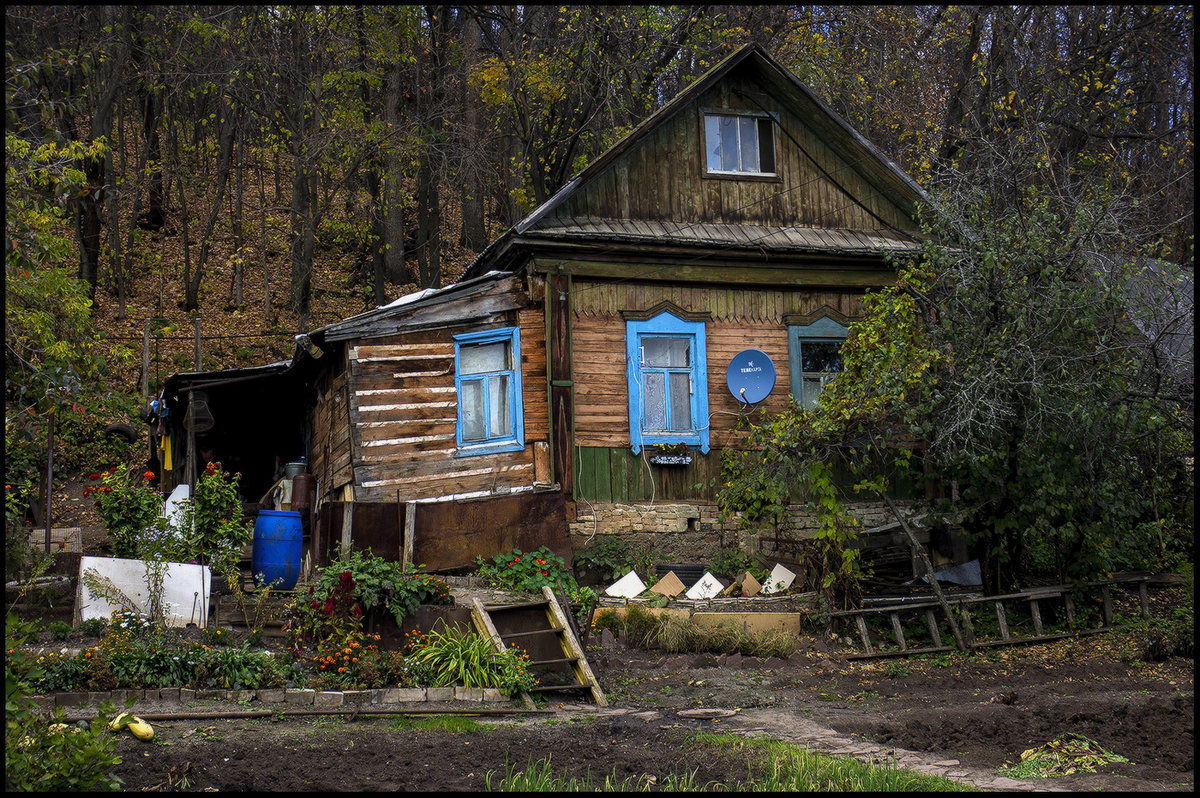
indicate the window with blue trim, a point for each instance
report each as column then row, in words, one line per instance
column 487, row 378
column 668, row 382
column 814, row 357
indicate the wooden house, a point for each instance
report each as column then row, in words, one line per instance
column 585, row 372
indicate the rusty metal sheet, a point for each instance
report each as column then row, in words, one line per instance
column 450, row 535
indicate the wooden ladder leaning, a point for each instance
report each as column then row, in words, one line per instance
column 548, row 633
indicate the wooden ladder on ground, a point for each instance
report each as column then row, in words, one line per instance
column 931, row 610
column 549, row 634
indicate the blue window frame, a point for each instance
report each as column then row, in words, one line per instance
column 814, row 357
column 668, row 382
column 487, row 380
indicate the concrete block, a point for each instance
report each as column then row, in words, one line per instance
column 328, row 698
column 439, row 694
column 357, row 697
column 493, row 695
column 300, row 697
column 168, row 694
column 71, row 699
column 271, row 695
column 468, row 693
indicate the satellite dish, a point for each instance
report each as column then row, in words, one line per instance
column 751, row 376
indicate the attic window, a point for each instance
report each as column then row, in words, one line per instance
column 739, row 144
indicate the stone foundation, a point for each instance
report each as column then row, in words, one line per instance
column 694, row 532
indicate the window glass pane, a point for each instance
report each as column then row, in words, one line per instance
column 823, row 356
column 812, row 386
column 472, row 410
column 655, row 399
column 712, row 142
column 681, row 400
column 766, row 146
column 498, row 404
column 667, row 352
column 482, row 358
column 729, row 144
column 749, row 140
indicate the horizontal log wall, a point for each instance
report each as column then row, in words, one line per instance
column 742, row 319
column 403, row 413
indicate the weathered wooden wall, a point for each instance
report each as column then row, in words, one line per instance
column 403, row 408
column 663, row 176
column 742, row 319
column 330, row 421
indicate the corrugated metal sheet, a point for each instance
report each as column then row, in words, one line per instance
column 743, row 236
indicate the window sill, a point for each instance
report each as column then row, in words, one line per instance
column 754, row 177
column 489, row 448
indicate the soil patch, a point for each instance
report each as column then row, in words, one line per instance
column 956, row 716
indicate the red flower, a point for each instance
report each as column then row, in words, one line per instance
column 149, row 475
column 356, row 612
column 545, row 573
column 93, row 476
column 346, row 577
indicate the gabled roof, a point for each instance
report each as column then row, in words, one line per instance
column 836, row 133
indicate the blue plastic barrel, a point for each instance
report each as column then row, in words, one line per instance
column 278, row 539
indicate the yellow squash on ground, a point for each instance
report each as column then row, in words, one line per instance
column 137, row 727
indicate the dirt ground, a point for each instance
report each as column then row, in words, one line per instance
column 959, row 716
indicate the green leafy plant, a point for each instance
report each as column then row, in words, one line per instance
column 453, row 656
column 380, row 583
column 42, row 753
column 59, row 630
column 211, row 526
column 525, row 572
column 609, row 559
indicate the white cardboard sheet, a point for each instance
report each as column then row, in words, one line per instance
column 185, row 589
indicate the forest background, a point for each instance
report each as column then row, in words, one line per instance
column 252, row 172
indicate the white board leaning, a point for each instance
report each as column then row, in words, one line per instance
column 185, row 589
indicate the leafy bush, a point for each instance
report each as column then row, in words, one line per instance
column 377, row 582
column 40, row 755
column 93, row 627
column 609, row 559
column 59, row 630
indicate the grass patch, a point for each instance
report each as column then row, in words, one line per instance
column 450, row 723
column 771, row 766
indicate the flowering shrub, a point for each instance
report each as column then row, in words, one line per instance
column 323, row 620
column 128, row 507
column 525, row 572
